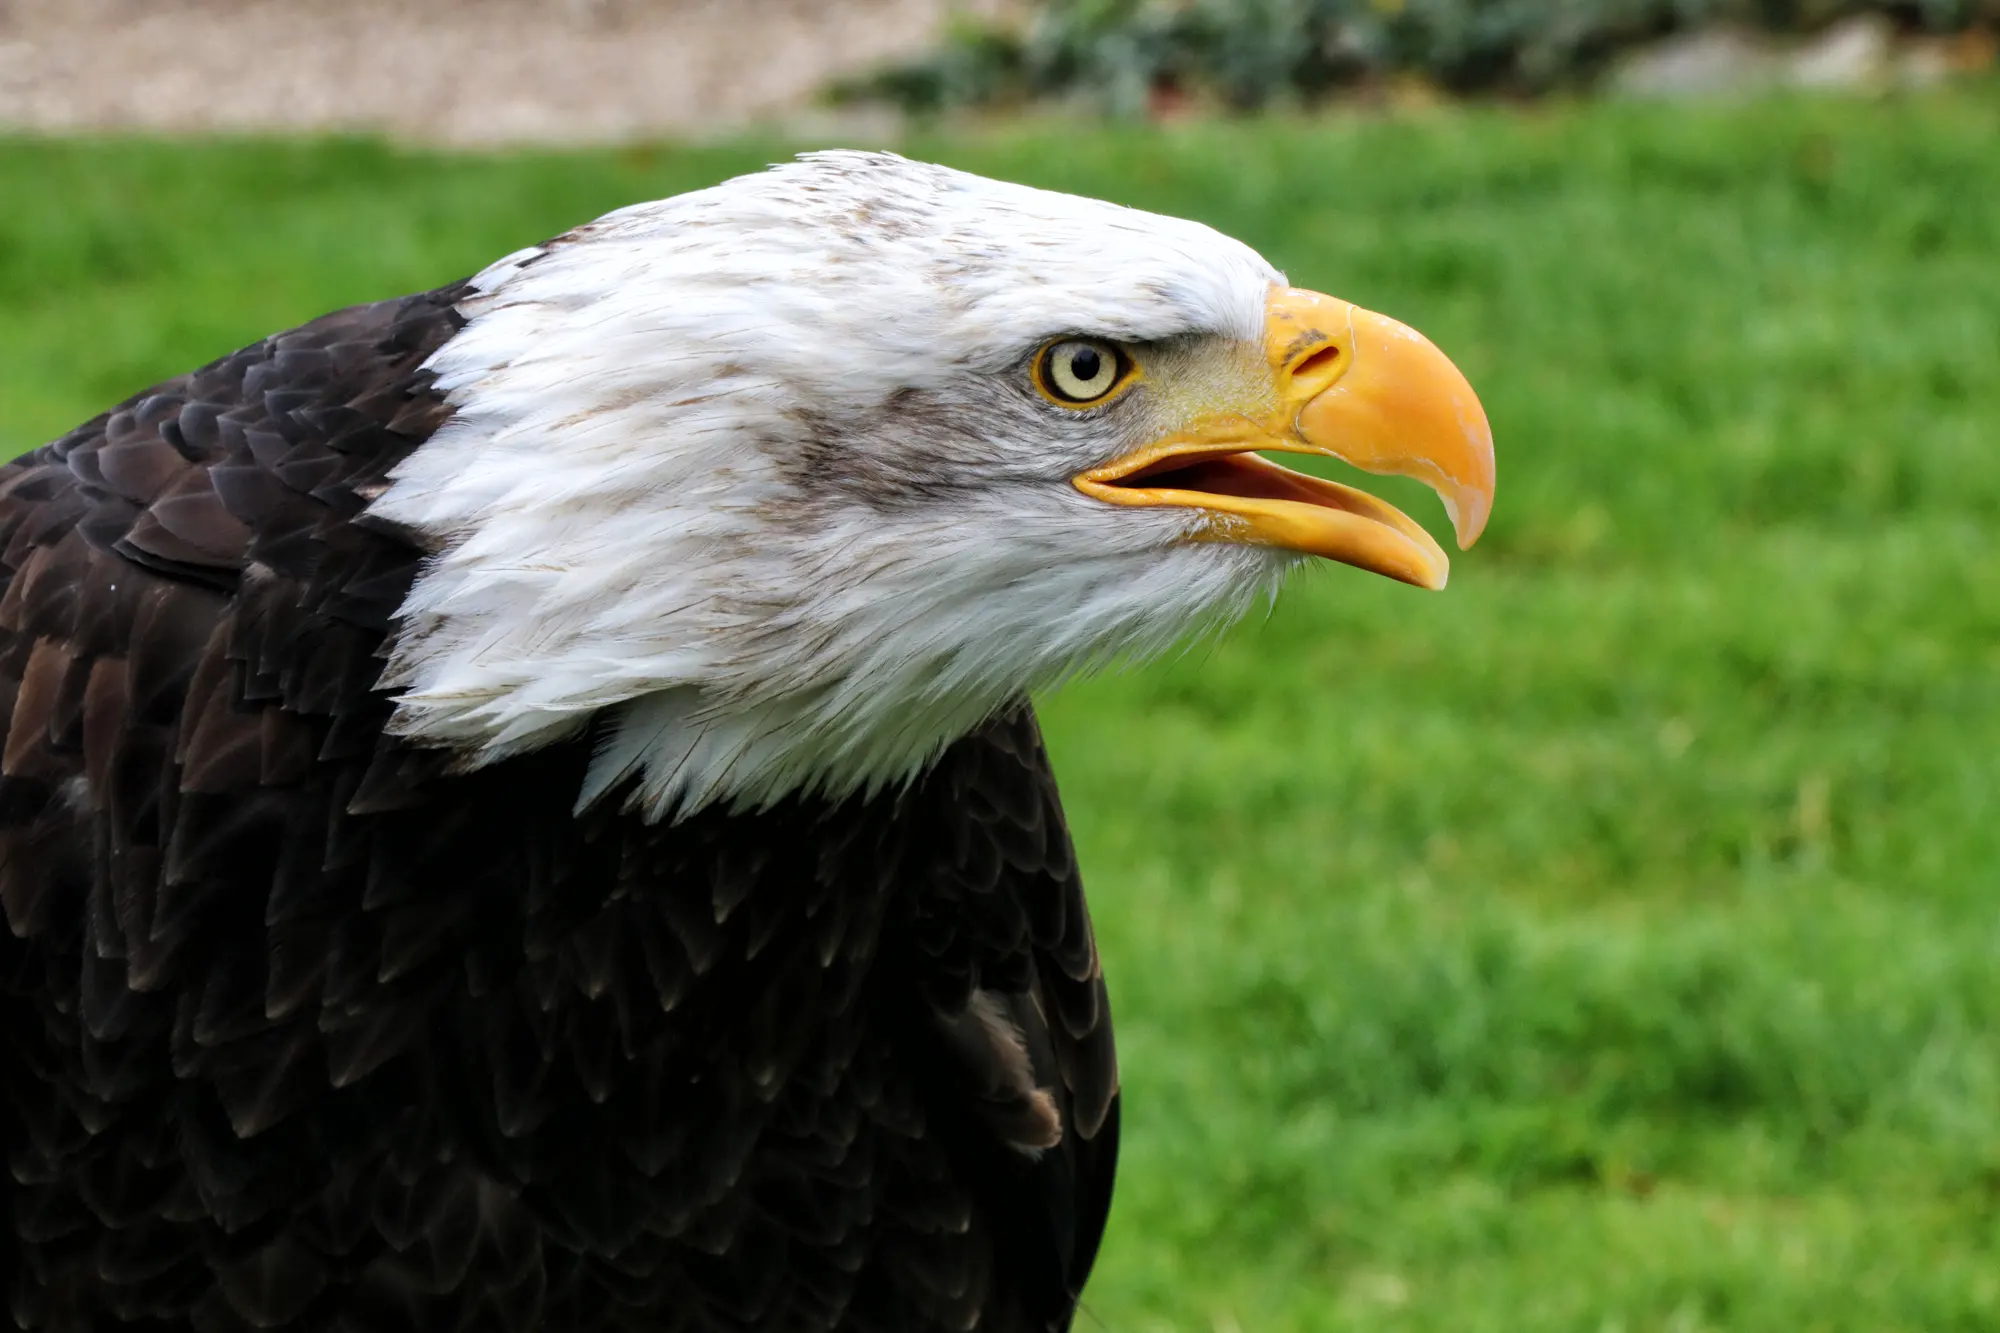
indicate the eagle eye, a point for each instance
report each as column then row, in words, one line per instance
column 1080, row 372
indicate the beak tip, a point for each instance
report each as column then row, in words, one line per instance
column 1469, row 507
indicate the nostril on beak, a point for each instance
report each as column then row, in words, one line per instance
column 1319, row 362
column 1314, row 372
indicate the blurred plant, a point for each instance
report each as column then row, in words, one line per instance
column 1127, row 55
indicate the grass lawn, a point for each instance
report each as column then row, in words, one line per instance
column 1611, row 943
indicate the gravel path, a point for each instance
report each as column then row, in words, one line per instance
column 450, row 71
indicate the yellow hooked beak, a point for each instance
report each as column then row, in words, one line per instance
column 1349, row 384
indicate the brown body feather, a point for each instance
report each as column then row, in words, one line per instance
column 302, row 1031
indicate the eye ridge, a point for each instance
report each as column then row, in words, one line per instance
column 1080, row 372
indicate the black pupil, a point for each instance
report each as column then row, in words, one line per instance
column 1084, row 363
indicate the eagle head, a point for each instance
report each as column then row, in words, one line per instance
column 781, row 486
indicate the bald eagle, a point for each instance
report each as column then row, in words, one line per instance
column 518, row 809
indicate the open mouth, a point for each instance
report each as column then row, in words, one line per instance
column 1259, row 502
column 1243, row 474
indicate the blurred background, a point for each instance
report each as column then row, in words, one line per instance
column 1611, row 943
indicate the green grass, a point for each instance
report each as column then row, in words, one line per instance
column 1610, row 943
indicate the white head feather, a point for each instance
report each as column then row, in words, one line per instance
column 760, row 468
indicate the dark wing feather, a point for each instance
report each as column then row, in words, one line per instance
column 1025, row 1068
column 180, row 639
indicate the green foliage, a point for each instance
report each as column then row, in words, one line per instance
column 1249, row 53
column 1606, row 943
